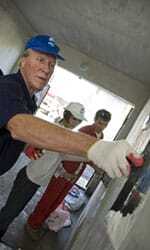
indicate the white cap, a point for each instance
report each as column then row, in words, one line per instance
column 77, row 110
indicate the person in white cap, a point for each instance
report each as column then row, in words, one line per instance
column 38, row 173
column 66, row 174
column 18, row 126
column 73, row 115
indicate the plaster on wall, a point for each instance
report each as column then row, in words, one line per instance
column 14, row 30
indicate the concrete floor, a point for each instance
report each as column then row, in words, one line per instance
column 16, row 236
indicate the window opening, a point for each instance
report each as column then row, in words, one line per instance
column 67, row 87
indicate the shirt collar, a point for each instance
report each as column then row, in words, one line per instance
column 31, row 100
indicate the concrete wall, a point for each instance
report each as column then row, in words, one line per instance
column 14, row 31
column 138, row 236
column 139, row 123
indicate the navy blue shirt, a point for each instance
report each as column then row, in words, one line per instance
column 14, row 99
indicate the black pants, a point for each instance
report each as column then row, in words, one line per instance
column 22, row 192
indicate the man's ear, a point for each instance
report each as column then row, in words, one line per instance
column 22, row 62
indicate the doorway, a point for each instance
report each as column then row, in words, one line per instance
column 67, row 87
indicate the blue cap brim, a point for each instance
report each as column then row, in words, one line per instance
column 47, row 52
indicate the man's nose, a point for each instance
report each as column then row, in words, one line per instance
column 46, row 68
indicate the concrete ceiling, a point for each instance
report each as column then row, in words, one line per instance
column 115, row 32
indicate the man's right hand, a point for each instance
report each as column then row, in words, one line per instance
column 112, row 157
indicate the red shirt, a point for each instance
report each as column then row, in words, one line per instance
column 72, row 166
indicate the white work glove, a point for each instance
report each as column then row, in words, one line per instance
column 112, row 157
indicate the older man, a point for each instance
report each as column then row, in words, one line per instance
column 18, row 126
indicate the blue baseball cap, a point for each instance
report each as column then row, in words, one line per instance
column 44, row 43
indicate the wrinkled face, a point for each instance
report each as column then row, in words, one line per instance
column 37, row 68
column 100, row 125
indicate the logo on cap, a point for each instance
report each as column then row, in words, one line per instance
column 51, row 41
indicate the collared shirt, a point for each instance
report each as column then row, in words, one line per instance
column 14, row 99
column 90, row 130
